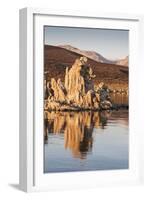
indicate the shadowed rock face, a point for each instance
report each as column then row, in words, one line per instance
column 77, row 92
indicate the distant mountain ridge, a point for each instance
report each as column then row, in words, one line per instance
column 124, row 61
column 95, row 56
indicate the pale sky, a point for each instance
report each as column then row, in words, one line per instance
column 112, row 44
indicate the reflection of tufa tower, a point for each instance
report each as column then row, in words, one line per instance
column 77, row 128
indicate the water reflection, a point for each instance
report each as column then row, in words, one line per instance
column 81, row 141
column 77, row 128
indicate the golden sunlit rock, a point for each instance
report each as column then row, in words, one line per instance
column 78, row 91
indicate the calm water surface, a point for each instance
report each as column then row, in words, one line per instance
column 83, row 141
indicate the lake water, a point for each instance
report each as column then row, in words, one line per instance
column 83, row 141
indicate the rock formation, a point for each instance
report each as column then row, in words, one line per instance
column 78, row 91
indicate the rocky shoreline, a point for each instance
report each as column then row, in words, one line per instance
column 79, row 109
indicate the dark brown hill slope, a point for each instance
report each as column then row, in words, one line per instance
column 56, row 59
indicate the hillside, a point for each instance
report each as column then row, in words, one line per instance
column 89, row 54
column 124, row 61
column 96, row 56
column 56, row 59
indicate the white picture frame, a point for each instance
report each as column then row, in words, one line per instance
column 31, row 100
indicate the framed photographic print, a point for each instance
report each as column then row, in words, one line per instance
column 79, row 114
